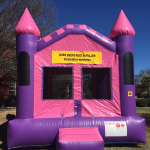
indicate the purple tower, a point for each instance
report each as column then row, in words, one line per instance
column 27, row 34
column 123, row 33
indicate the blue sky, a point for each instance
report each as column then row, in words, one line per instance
column 101, row 15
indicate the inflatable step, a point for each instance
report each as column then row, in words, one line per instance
column 80, row 139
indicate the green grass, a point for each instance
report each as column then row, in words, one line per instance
column 141, row 111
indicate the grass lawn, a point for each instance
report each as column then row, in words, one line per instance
column 141, row 111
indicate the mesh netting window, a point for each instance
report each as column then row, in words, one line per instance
column 57, row 83
column 96, row 83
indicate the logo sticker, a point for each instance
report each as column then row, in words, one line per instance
column 115, row 128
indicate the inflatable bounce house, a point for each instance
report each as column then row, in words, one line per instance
column 75, row 87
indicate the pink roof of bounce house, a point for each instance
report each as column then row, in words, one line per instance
column 122, row 26
column 27, row 25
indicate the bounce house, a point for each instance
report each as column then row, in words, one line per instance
column 75, row 87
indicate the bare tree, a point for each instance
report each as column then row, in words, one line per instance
column 146, row 82
column 142, row 80
column 139, row 77
column 137, row 81
column 44, row 14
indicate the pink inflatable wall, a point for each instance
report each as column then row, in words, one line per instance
column 54, row 108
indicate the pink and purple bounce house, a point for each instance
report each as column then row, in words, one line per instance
column 75, row 87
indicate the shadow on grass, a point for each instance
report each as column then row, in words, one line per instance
column 3, row 131
column 35, row 148
column 147, row 118
column 122, row 145
column 3, row 135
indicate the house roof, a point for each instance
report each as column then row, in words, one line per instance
column 27, row 25
column 122, row 26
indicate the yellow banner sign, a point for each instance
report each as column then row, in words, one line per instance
column 76, row 57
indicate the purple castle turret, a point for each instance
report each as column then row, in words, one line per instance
column 26, row 33
column 123, row 33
